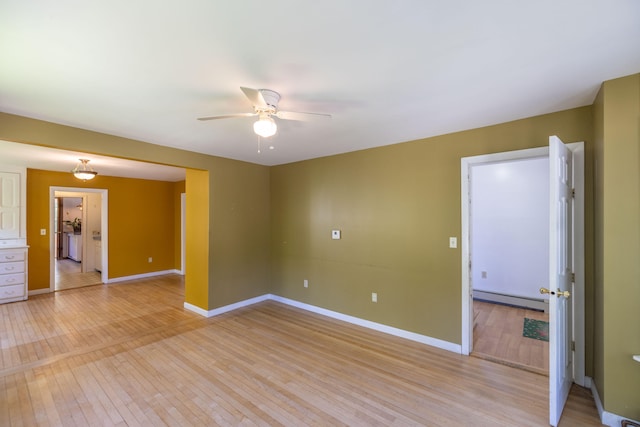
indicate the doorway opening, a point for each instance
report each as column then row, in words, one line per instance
column 494, row 305
column 509, row 239
column 78, row 243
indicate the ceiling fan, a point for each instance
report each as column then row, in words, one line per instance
column 265, row 106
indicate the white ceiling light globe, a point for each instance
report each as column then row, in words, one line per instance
column 265, row 127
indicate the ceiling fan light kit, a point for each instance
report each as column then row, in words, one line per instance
column 265, row 126
column 265, row 105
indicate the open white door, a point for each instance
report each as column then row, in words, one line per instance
column 560, row 277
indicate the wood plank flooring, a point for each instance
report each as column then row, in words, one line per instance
column 69, row 275
column 497, row 335
column 128, row 354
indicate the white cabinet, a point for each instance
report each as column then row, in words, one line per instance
column 10, row 205
column 75, row 247
column 13, row 213
column 13, row 234
column 13, row 274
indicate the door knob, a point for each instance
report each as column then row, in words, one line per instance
column 559, row 293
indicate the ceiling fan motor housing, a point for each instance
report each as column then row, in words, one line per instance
column 271, row 98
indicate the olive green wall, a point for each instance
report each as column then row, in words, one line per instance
column 240, row 231
column 244, row 235
column 138, row 208
column 396, row 206
column 618, row 279
column 598, row 204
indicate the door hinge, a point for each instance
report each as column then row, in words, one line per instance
column 573, row 193
column 573, row 277
column 573, row 346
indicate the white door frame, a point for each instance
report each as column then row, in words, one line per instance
column 467, row 163
column 183, row 232
column 104, row 232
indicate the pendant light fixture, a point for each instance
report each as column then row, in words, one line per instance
column 83, row 171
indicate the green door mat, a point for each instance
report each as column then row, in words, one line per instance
column 536, row 329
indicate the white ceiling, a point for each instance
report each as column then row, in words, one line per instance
column 387, row 71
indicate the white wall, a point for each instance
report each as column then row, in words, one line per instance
column 70, row 209
column 510, row 227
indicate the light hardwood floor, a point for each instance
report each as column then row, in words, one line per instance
column 128, row 354
column 69, row 275
column 497, row 335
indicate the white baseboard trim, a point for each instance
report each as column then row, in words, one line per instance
column 607, row 418
column 423, row 339
column 142, row 276
column 196, row 309
column 226, row 308
column 39, row 291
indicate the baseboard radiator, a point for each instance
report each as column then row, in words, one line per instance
column 532, row 303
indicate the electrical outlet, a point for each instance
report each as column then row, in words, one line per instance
column 374, row 297
column 306, row 283
column 150, row 259
column 484, row 274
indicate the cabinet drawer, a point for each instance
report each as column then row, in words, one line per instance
column 11, row 267
column 12, row 279
column 14, row 291
column 6, row 256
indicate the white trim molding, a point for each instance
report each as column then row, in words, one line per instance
column 423, row 339
column 104, row 229
column 466, row 164
column 226, row 308
column 606, row 418
column 196, row 309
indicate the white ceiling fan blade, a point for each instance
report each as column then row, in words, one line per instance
column 227, row 116
column 300, row 115
column 256, row 98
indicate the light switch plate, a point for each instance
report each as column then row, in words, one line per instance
column 453, row 242
column 43, row 231
column 335, row 234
